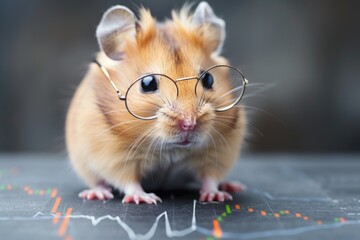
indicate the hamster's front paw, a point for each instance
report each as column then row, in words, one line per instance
column 97, row 193
column 141, row 197
column 232, row 186
column 210, row 196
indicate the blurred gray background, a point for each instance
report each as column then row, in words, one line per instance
column 303, row 55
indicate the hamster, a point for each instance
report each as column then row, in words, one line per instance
column 110, row 148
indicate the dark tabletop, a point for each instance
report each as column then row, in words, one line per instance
column 288, row 197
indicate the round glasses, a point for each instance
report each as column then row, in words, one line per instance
column 144, row 98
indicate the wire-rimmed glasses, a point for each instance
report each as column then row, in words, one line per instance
column 159, row 89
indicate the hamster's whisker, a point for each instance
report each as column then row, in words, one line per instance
column 117, row 135
column 222, row 124
column 117, row 125
column 229, row 92
column 154, row 149
column 110, row 112
column 161, row 148
column 167, row 100
column 215, row 146
column 260, row 85
column 152, row 103
column 262, row 110
column 148, row 150
column 127, row 129
column 221, row 137
column 207, row 100
column 163, row 101
column 101, row 115
column 229, row 118
column 201, row 100
column 228, row 102
column 139, row 141
column 228, row 127
column 256, row 129
column 259, row 89
column 255, row 94
column 114, row 111
column 207, row 148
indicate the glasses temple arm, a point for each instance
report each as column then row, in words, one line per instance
column 106, row 73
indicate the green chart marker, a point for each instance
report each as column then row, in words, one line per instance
column 228, row 210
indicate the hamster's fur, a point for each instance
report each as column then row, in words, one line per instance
column 107, row 146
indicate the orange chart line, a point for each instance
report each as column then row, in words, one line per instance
column 217, row 232
column 57, row 217
column 56, row 204
column 54, row 192
column 64, row 224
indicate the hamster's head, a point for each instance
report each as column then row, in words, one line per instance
column 161, row 70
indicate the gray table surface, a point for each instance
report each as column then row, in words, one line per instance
column 288, row 197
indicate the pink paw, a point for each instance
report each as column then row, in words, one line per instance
column 97, row 193
column 141, row 197
column 232, row 187
column 210, row 196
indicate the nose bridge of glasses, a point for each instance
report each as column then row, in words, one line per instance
column 185, row 86
column 185, row 83
column 186, row 79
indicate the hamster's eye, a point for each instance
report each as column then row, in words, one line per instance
column 149, row 84
column 207, row 80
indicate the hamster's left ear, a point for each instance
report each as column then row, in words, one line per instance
column 210, row 26
column 117, row 24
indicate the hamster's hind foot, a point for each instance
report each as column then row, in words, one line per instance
column 142, row 197
column 134, row 193
column 211, row 190
column 97, row 193
column 218, row 196
column 232, row 187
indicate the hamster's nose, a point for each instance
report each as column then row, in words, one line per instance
column 187, row 124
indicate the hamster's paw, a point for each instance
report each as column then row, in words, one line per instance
column 141, row 197
column 232, row 187
column 218, row 196
column 97, row 193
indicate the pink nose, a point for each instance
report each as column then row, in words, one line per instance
column 187, row 124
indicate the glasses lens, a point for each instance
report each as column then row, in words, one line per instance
column 150, row 93
column 222, row 86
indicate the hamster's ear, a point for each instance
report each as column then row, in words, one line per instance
column 117, row 23
column 210, row 26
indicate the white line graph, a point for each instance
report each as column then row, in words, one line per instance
column 186, row 231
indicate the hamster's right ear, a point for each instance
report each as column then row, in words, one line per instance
column 117, row 24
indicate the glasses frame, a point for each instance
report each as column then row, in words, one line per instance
column 123, row 97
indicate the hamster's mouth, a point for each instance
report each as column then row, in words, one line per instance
column 183, row 143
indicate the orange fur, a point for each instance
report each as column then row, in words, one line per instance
column 105, row 142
